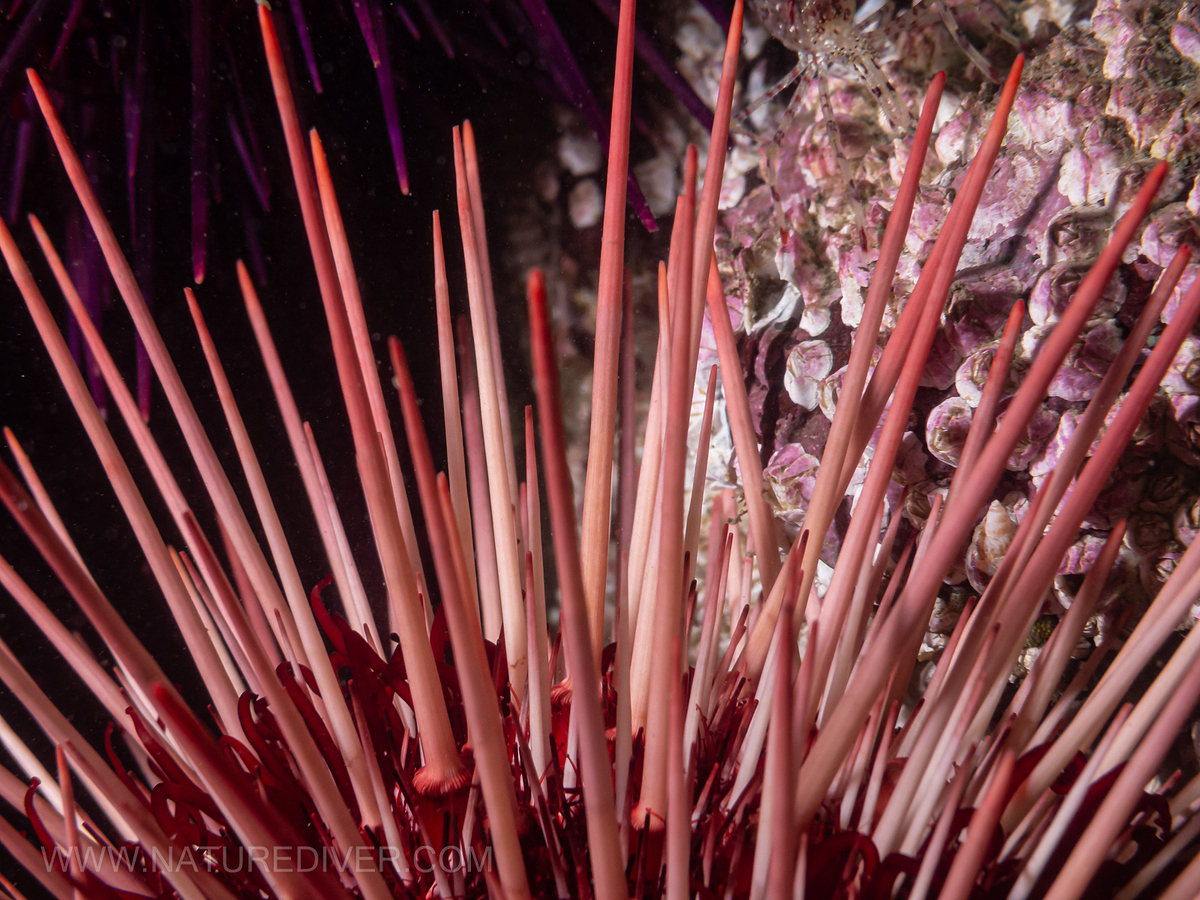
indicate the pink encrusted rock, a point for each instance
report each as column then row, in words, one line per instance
column 1098, row 105
column 1149, row 532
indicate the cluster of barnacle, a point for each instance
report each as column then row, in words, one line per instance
column 1101, row 102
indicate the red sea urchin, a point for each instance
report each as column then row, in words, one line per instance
column 340, row 769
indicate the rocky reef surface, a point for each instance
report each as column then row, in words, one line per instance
column 1102, row 100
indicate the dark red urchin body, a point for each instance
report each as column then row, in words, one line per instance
column 796, row 773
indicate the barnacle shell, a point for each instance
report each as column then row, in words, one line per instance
column 946, row 429
column 1037, row 435
column 1056, row 287
column 807, row 363
column 1089, row 171
column 791, row 475
column 1187, row 520
column 972, row 375
column 1185, row 33
column 931, row 646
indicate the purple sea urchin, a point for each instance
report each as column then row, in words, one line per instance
column 342, row 769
